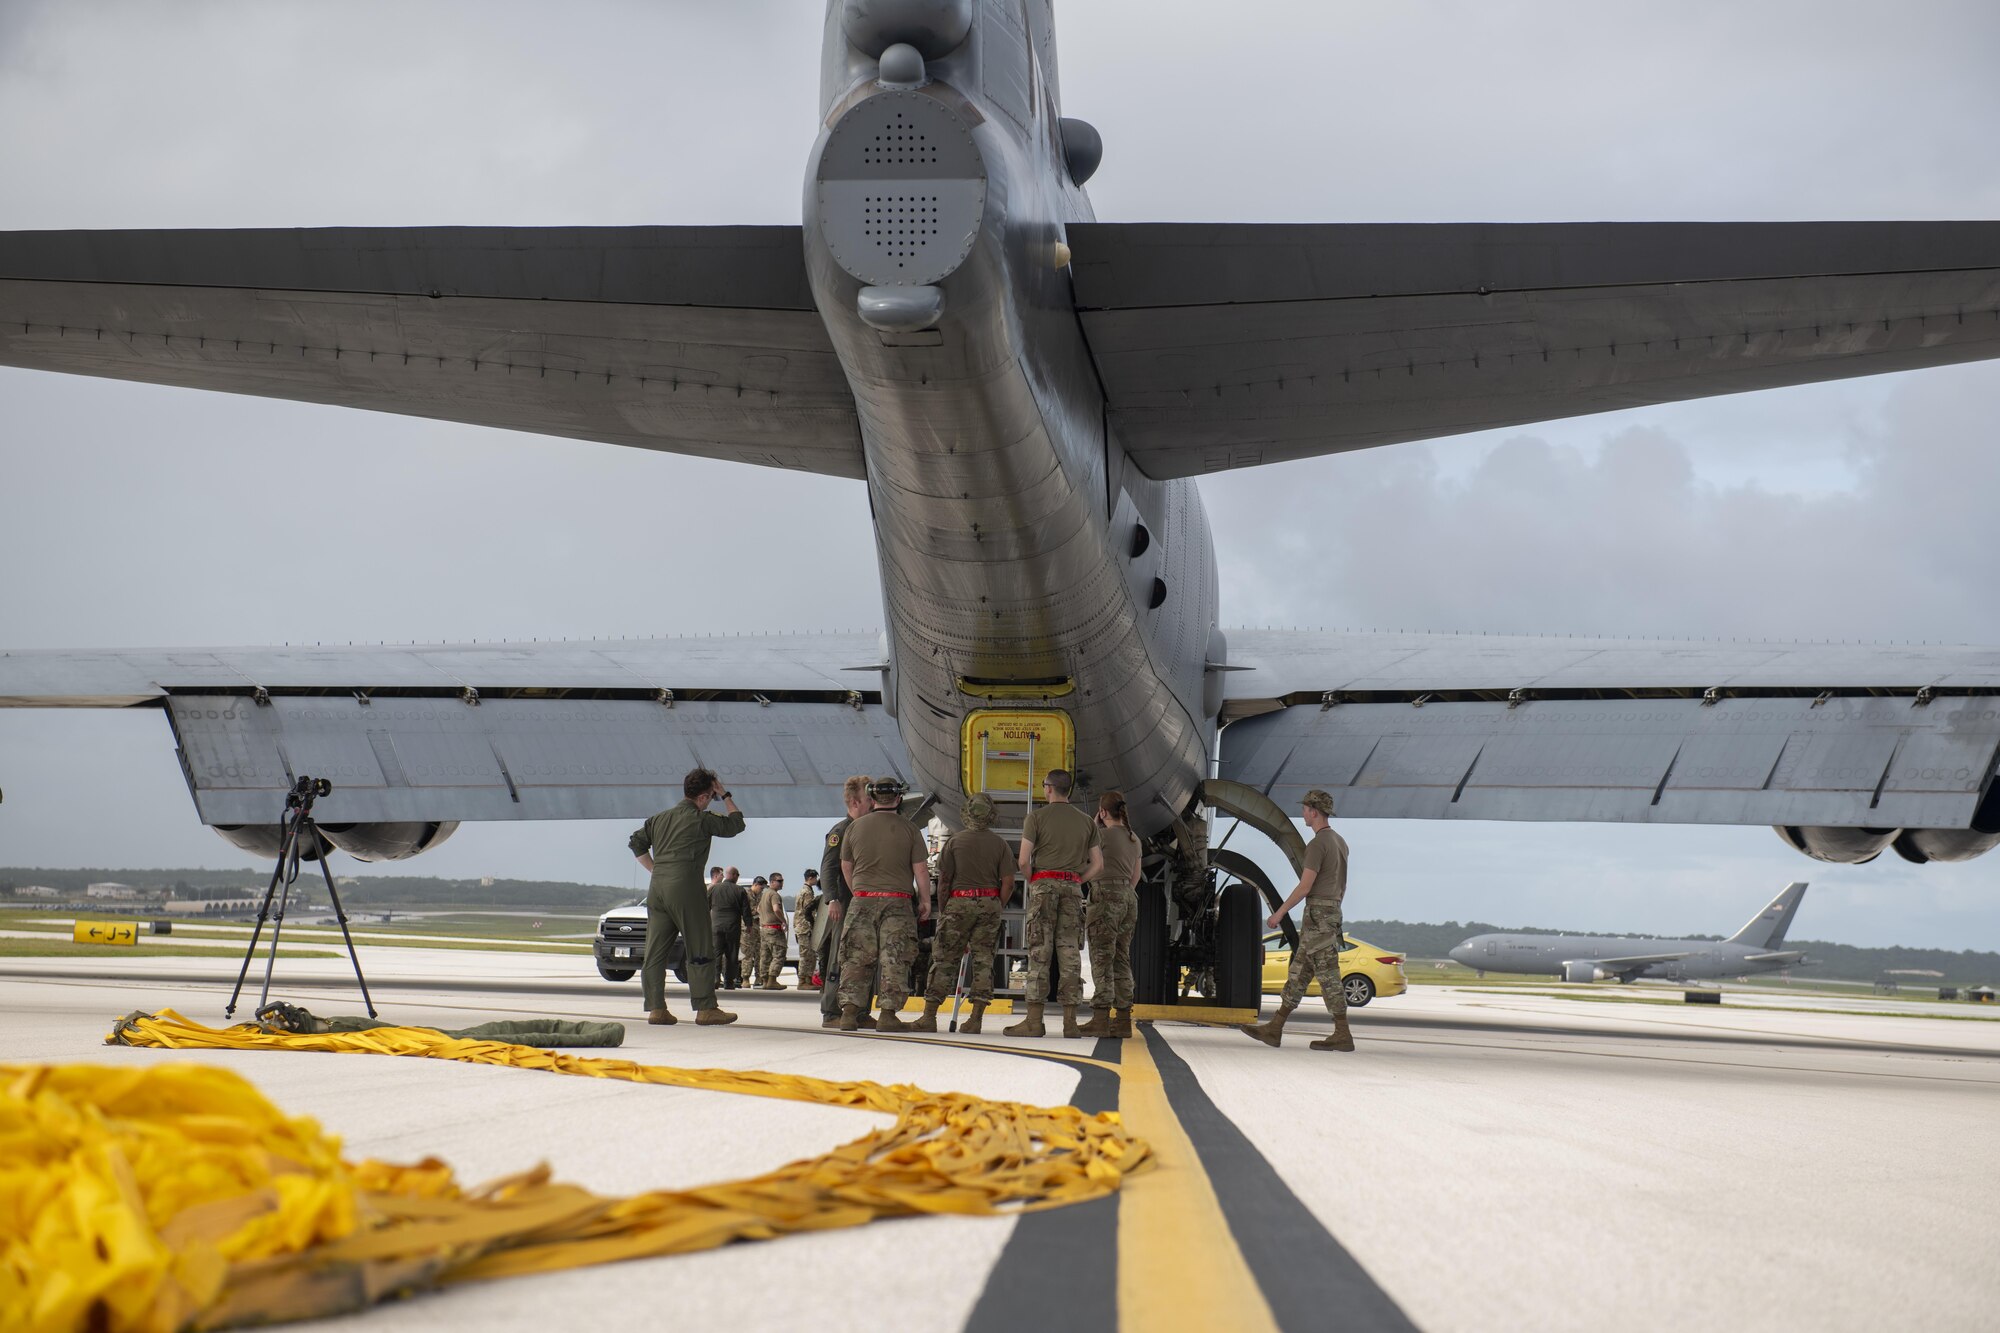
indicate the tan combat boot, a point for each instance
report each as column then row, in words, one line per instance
column 1270, row 1033
column 1099, row 1024
column 927, row 1020
column 829, row 1020
column 867, row 1021
column 891, row 1020
column 664, row 1016
column 1340, row 1039
column 709, row 1018
column 1121, row 1022
column 971, row 1025
column 850, row 1017
column 1031, row 1026
column 1070, row 1028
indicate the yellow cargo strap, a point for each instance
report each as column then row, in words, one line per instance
column 176, row 1197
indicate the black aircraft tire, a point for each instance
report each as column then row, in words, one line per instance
column 1149, row 947
column 1239, row 965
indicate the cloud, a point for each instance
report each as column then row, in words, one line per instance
column 1612, row 527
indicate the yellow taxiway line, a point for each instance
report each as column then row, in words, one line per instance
column 1179, row 1266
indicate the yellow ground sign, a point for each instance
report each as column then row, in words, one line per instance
column 106, row 932
column 1007, row 750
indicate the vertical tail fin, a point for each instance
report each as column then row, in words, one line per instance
column 1766, row 930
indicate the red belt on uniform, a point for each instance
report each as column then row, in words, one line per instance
column 975, row 893
column 774, row 927
column 1057, row 874
column 889, row 893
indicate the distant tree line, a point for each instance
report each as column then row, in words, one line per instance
column 1844, row 962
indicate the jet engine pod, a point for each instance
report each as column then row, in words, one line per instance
column 1584, row 971
column 1944, row 844
column 263, row 841
column 1841, row 846
column 935, row 27
column 387, row 842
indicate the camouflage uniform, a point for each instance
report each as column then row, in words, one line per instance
column 966, row 926
column 803, row 913
column 1108, row 924
column 1055, row 906
column 1318, row 955
column 972, row 867
column 879, row 928
column 877, row 932
column 1111, row 918
column 771, row 936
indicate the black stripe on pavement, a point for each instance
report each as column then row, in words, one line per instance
column 1060, row 1268
column 1308, row 1277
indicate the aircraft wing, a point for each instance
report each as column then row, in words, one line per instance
column 1228, row 345
column 684, row 339
column 570, row 730
column 1633, row 962
column 1453, row 726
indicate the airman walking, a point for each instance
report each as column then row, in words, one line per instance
column 1060, row 852
column 671, row 847
column 975, row 880
column 883, row 860
column 1322, row 886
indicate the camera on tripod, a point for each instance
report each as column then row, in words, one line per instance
column 305, row 791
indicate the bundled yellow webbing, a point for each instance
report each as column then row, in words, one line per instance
column 176, row 1197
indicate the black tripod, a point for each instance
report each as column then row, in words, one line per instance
column 296, row 835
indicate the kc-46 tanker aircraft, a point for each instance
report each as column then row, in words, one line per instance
column 1758, row 947
column 1028, row 394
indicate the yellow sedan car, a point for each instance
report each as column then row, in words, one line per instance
column 1365, row 971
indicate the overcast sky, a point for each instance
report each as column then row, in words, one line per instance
column 132, row 515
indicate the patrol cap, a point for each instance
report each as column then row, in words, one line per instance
column 1321, row 801
column 978, row 810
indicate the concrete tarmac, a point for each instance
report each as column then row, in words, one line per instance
column 1482, row 1162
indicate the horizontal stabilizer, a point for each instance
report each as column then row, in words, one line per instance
column 1227, row 345
column 693, row 340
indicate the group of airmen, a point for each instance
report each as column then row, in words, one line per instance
column 860, row 931
column 749, row 925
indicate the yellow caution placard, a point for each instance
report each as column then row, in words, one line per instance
column 106, row 932
column 1007, row 750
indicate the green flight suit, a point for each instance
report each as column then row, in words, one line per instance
column 677, row 900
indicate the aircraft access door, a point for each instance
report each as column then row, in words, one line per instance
column 1006, row 752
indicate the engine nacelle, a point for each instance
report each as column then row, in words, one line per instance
column 1840, row 846
column 263, row 841
column 1944, row 844
column 1580, row 970
column 388, row 842
column 363, row 842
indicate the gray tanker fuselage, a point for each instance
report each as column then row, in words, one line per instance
column 1018, row 546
